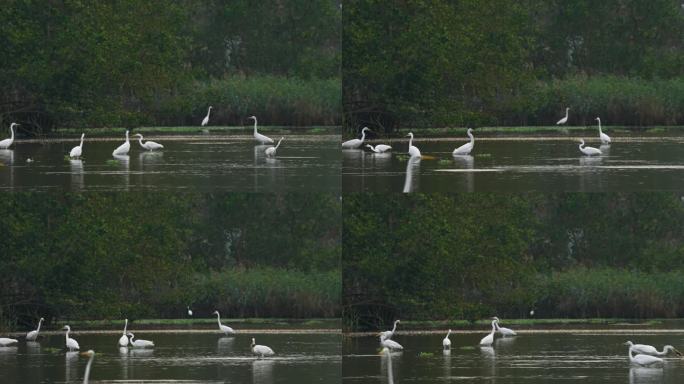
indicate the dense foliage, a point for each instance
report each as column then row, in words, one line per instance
column 109, row 255
column 468, row 256
column 126, row 62
column 468, row 62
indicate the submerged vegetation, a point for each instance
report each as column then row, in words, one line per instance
column 471, row 256
column 136, row 255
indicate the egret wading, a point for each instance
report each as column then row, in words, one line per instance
column 565, row 119
column 205, row 121
column 189, row 311
column 589, row 151
column 6, row 342
column 380, row 148
column 77, row 151
column 356, row 143
column 489, row 339
column 261, row 350
column 262, row 139
column 466, row 148
column 123, row 340
column 390, row 344
column 122, row 149
column 33, row 335
column 4, row 144
column 643, row 360
column 271, row 151
column 70, row 343
column 149, row 145
column 504, row 331
column 140, row 343
column 605, row 139
column 412, row 150
column 446, row 343
column 390, row 333
column 651, row 350
column 223, row 328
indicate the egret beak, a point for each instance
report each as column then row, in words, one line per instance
column 677, row 352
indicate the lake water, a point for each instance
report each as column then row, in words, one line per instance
column 528, row 358
column 177, row 357
column 201, row 163
column 547, row 164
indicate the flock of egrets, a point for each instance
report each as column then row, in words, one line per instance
column 639, row 354
column 123, row 149
column 467, row 148
column 127, row 340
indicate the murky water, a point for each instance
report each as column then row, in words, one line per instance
column 204, row 163
column 527, row 358
column 514, row 165
column 200, row 358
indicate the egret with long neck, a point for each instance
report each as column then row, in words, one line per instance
column 4, row 144
column 33, row 335
column 223, row 328
column 262, row 139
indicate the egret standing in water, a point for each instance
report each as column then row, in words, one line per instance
column 77, row 150
column 565, row 119
column 223, row 328
column 502, row 330
column 70, row 343
column 205, row 121
column 189, row 311
column 412, row 151
column 271, row 151
column 261, row 350
column 6, row 342
column 123, row 340
column 4, row 144
column 643, row 360
column 446, row 343
column 467, row 147
column 356, row 143
column 140, row 343
column 86, row 376
column 391, row 344
column 489, row 339
column 651, row 350
column 380, row 148
column 605, row 139
column 262, row 139
column 389, row 334
column 122, row 149
column 149, row 145
column 33, row 335
column 589, row 151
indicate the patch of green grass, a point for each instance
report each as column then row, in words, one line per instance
column 112, row 162
column 483, row 155
column 426, row 354
column 444, row 162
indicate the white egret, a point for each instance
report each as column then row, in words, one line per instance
column 71, row 344
column 29, row 160
column 6, row 342
column 261, row 350
column 223, row 328
column 389, row 334
column 140, row 343
column 262, row 139
column 412, row 151
column 123, row 340
column 565, row 119
column 77, row 150
column 4, row 144
column 122, row 149
column 643, row 360
column 467, row 147
column 391, row 344
column 489, row 339
column 86, row 376
column 589, row 151
column 446, row 343
column 271, row 151
column 189, row 311
column 356, row 143
column 205, row 121
column 149, row 145
column 651, row 350
column 502, row 330
column 33, row 335
column 605, row 139
column 380, row 148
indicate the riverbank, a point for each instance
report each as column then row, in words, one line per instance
column 242, row 129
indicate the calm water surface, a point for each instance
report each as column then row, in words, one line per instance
column 200, row 358
column 204, row 163
column 509, row 164
column 527, row 358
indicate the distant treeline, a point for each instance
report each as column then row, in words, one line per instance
column 131, row 62
column 500, row 62
column 471, row 256
column 114, row 255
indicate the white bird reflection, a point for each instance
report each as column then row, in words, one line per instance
column 640, row 375
column 225, row 344
column 262, row 371
column 412, row 174
column 76, row 169
column 386, row 366
column 7, row 160
column 71, row 366
column 467, row 162
column 125, row 166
